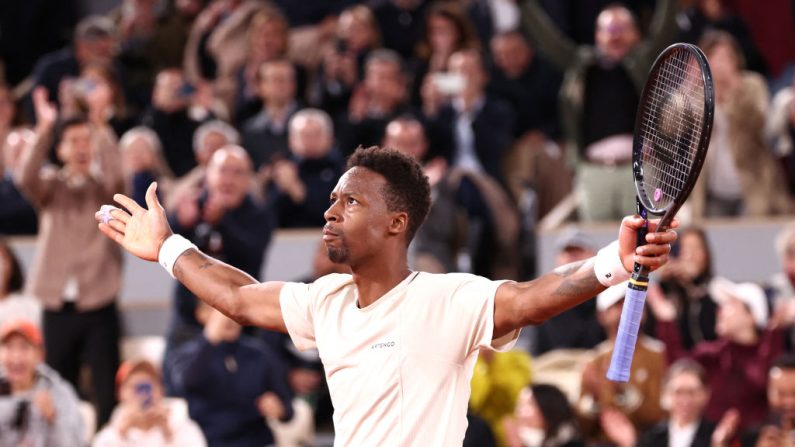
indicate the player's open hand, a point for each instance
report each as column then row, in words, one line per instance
column 140, row 231
column 658, row 244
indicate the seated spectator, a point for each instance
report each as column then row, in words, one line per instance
column 37, row 407
column 94, row 42
column 75, row 274
column 232, row 382
column 490, row 244
column 304, row 181
column 225, row 221
column 521, row 77
column 142, row 417
column 685, row 395
column 381, row 97
column 176, row 112
column 639, row 398
column 17, row 215
column 741, row 176
column 265, row 134
column 685, row 281
column 780, row 130
column 543, row 417
column 143, row 162
column 208, row 138
column 14, row 304
column 776, row 429
column 781, row 285
column 342, row 64
column 576, row 328
column 473, row 129
column 98, row 94
column 743, row 352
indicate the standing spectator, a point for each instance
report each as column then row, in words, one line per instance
column 382, row 96
column 265, row 134
column 177, row 111
column 776, row 430
column 94, row 42
column 741, row 175
column 76, row 274
column 232, row 382
column 400, row 22
column 143, row 162
column 39, row 408
column 639, row 398
column 780, row 130
column 543, row 417
column 607, row 76
column 741, row 356
column 223, row 219
column 17, row 215
column 14, row 304
column 142, row 417
column 304, row 181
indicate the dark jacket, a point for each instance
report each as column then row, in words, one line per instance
column 657, row 436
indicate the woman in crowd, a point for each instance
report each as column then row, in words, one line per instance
column 143, row 162
column 97, row 93
column 543, row 418
column 13, row 303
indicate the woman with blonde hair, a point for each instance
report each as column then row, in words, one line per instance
column 143, row 162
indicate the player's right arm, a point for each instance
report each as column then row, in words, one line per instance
column 228, row 289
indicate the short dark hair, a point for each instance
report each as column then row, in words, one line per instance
column 16, row 278
column 65, row 124
column 407, row 186
column 784, row 361
column 686, row 366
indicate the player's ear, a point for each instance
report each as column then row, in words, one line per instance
column 399, row 223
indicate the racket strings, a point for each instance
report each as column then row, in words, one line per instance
column 671, row 129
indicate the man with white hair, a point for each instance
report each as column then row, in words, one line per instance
column 303, row 181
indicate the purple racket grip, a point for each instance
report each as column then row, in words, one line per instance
column 628, row 328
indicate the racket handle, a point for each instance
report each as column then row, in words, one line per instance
column 631, row 314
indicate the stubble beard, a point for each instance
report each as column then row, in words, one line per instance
column 338, row 255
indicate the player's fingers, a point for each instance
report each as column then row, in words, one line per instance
column 653, row 250
column 108, row 231
column 119, row 214
column 151, row 197
column 661, row 237
column 128, row 203
column 651, row 261
column 117, row 225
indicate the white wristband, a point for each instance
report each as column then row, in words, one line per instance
column 608, row 267
column 171, row 250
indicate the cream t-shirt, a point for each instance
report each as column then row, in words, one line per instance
column 399, row 369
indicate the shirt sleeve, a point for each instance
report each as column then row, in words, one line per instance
column 477, row 297
column 296, row 300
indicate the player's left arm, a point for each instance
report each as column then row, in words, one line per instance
column 519, row 304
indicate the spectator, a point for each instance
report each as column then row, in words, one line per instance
column 304, row 181
column 400, row 22
column 268, row 38
column 608, row 76
column 76, row 274
column 94, row 42
column 685, row 281
column 143, row 162
column 223, row 219
column 576, row 328
column 446, row 30
column 265, row 134
column 780, row 129
column 176, row 112
column 740, row 175
column 142, row 416
column 543, row 418
column 14, row 304
column 522, row 77
column 17, row 215
column 208, row 138
column 232, row 382
column 776, row 430
column 37, row 406
column 639, row 398
column 685, row 395
column 381, row 97
column 741, row 356
column 98, row 94
column 781, row 285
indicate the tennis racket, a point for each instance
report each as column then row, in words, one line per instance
column 672, row 131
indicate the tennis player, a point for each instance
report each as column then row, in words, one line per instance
column 398, row 346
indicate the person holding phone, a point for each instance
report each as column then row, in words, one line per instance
column 143, row 417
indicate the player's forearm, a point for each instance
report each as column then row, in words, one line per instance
column 214, row 282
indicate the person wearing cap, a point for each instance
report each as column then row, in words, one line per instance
column 142, row 417
column 638, row 399
column 738, row 361
column 37, row 407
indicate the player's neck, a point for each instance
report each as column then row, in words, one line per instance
column 375, row 280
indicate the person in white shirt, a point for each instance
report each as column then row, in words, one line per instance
column 398, row 346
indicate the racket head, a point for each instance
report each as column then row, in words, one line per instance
column 673, row 126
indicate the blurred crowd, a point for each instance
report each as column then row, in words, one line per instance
column 244, row 111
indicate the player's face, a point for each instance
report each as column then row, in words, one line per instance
column 357, row 218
